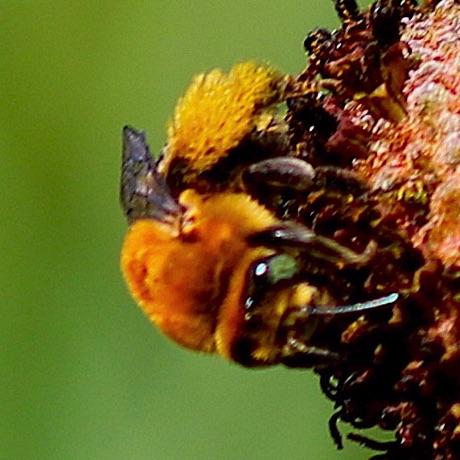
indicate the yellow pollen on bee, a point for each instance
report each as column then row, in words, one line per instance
column 180, row 280
column 217, row 112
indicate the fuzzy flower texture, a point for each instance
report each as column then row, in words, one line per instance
column 393, row 117
column 342, row 186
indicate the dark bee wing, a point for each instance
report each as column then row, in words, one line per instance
column 320, row 247
column 143, row 192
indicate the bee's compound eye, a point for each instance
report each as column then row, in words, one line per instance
column 267, row 272
column 273, row 269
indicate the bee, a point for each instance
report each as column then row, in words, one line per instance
column 218, row 272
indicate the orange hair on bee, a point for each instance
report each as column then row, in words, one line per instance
column 181, row 274
column 217, row 112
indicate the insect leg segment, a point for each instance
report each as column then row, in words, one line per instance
column 300, row 330
column 281, row 173
column 296, row 353
column 357, row 307
column 143, row 193
column 320, row 247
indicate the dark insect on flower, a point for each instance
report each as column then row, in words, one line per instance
column 324, row 236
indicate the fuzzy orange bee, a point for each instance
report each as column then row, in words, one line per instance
column 219, row 273
column 216, row 270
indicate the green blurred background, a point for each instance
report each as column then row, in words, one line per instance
column 83, row 374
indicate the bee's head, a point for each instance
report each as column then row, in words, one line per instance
column 189, row 273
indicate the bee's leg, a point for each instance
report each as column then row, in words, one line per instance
column 296, row 175
column 296, row 332
column 372, row 443
column 296, row 353
column 281, row 173
column 300, row 326
column 320, row 247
